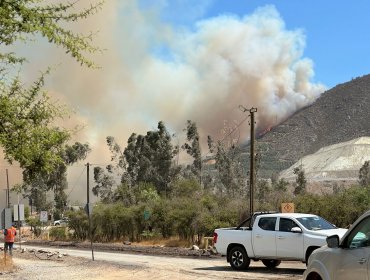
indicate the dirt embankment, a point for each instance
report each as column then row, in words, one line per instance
column 155, row 250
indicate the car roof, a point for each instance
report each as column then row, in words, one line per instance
column 290, row 215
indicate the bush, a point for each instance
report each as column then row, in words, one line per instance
column 58, row 233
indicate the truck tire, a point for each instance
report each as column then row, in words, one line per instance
column 239, row 259
column 271, row 263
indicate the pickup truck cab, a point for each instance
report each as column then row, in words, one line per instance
column 273, row 238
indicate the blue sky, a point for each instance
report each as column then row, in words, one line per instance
column 337, row 32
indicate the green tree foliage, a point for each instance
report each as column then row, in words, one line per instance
column 27, row 131
column 24, row 19
column 192, row 148
column 263, row 188
column 341, row 208
column 364, row 174
column 149, row 158
column 36, row 186
column 230, row 171
column 301, row 182
column 104, row 185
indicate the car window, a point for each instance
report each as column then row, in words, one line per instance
column 286, row 225
column 267, row 223
column 359, row 236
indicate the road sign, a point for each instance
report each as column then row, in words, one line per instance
column 20, row 208
column 43, row 216
column 287, row 207
column 6, row 218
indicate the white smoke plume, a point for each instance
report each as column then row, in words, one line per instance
column 153, row 71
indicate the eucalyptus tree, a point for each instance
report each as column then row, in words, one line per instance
column 364, row 174
column 229, row 166
column 300, row 182
column 192, row 148
column 147, row 159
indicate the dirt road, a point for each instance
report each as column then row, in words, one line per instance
column 78, row 265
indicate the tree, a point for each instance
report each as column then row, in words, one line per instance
column 56, row 180
column 24, row 19
column 104, row 185
column 146, row 159
column 149, row 158
column 192, row 148
column 300, row 182
column 27, row 133
column 229, row 167
column 364, row 174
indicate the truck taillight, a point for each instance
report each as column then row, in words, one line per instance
column 215, row 235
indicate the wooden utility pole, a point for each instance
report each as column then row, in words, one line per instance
column 252, row 158
column 7, row 186
column 88, row 208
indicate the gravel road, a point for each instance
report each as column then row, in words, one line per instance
column 33, row 265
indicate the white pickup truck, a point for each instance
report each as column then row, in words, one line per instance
column 273, row 238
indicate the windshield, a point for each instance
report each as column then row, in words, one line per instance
column 315, row 223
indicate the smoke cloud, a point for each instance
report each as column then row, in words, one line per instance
column 152, row 70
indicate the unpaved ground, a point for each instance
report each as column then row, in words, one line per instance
column 44, row 265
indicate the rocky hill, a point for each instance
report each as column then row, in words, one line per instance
column 338, row 162
column 339, row 115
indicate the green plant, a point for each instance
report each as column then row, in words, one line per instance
column 58, row 233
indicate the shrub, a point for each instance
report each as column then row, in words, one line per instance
column 58, row 233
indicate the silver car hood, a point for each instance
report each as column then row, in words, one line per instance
column 328, row 232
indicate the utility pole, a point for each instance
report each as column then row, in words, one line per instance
column 252, row 158
column 88, row 208
column 7, row 186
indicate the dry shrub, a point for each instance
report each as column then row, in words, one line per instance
column 6, row 264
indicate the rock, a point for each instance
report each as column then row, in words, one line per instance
column 126, row 242
column 60, row 256
column 195, row 247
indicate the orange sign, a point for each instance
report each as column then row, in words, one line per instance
column 287, row 207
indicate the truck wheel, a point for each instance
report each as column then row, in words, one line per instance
column 239, row 259
column 271, row 263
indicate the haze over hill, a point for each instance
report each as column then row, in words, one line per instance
column 340, row 114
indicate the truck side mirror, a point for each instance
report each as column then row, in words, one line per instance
column 332, row 241
column 296, row 230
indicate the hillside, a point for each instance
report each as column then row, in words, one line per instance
column 339, row 115
column 336, row 162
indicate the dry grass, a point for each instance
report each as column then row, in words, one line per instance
column 6, row 264
column 171, row 242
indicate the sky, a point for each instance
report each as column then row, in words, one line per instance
column 336, row 31
column 197, row 60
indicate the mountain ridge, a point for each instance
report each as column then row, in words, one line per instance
column 340, row 114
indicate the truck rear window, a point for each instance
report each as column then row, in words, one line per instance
column 267, row 223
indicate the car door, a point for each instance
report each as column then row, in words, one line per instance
column 353, row 260
column 289, row 244
column 264, row 238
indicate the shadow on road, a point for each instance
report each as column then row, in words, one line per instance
column 262, row 270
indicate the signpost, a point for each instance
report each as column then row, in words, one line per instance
column 287, row 207
column 19, row 217
column 43, row 216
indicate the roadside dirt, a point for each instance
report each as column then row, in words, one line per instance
column 154, row 262
column 155, row 250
